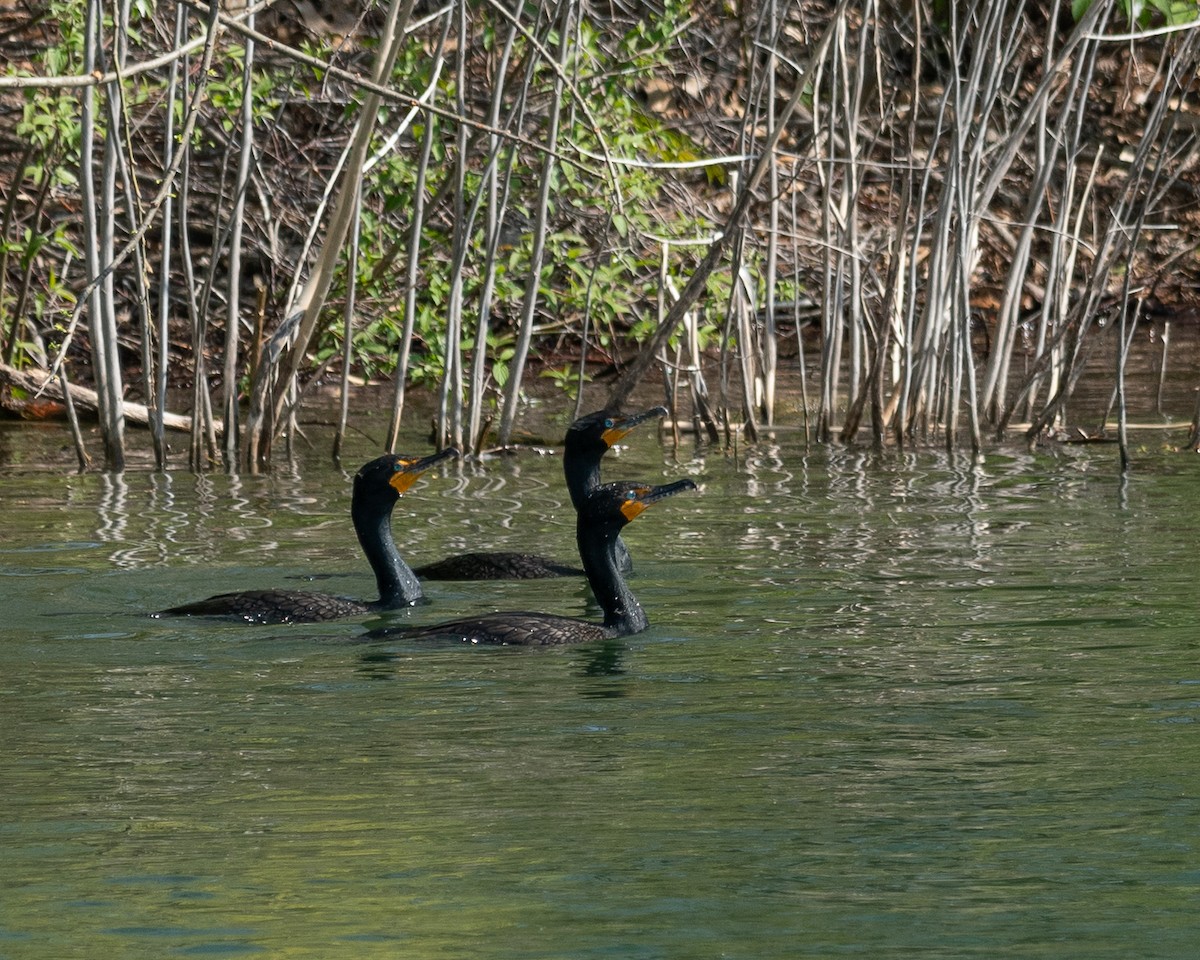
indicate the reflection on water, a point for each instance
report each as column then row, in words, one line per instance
column 888, row 706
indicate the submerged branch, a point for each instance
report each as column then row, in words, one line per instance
column 39, row 383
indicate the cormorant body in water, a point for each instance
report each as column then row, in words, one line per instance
column 377, row 487
column 588, row 439
column 495, row 565
column 603, row 513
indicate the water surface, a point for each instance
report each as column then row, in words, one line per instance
column 889, row 706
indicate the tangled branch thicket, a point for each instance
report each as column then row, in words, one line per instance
column 889, row 222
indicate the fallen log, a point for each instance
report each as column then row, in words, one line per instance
column 37, row 383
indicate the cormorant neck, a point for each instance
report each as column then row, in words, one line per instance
column 398, row 585
column 599, row 549
column 581, row 469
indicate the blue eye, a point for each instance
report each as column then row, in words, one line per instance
column 608, row 424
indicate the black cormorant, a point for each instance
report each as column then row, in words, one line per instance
column 588, row 439
column 603, row 513
column 377, row 487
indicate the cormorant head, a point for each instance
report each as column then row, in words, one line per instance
column 613, row 505
column 386, row 477
column 600, row 430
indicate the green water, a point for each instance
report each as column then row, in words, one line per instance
column 889, row 707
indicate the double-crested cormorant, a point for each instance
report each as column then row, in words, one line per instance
column 377, row 487
column 588, row 439
column 604, row 512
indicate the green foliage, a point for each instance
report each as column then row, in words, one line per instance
column 1144, row 14
column 45, row 305
column 566, row 379
column 50, row 124
column 50, row 118
column 225, row 91
column 501, row 350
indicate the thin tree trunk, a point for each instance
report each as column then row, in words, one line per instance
column 162, row 324
column 770, row 359
column 413, row 266
column 339, row 437
column 98, row 250
column 496, row 198
column 233, row 316
column 450, row 412
column 516, row 372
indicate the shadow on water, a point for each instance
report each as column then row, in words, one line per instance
column 603, row 660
